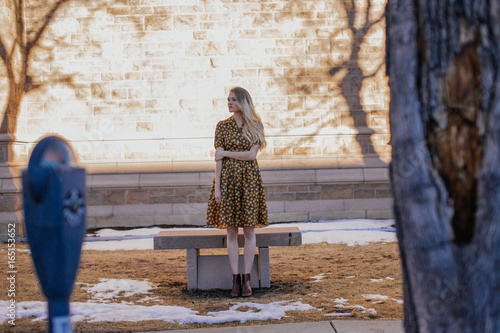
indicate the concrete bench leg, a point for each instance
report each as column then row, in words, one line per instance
column 216, row 278
column 192, row 268
column 214, row 272
column 264, row 270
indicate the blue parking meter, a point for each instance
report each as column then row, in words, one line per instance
column 54, row 211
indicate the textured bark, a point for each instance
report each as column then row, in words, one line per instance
column 443, row 67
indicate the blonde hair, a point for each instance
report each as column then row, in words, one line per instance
column 253, row 129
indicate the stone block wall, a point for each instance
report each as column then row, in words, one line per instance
column 135, row 81
column 137, row 87
column 180, row 198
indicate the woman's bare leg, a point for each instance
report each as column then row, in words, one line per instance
column 232, row 248
column 250, row 247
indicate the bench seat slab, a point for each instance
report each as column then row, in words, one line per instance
column 211, row 238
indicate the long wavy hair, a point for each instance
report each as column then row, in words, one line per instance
column 253, row 129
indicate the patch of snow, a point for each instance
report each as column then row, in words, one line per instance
column 380, row 280
column 109, row 289
column 114, row 312
column 319, row 277
column 369, row 296
column 341, row 300
column 360, row 307
column 350, row 232
column 338, row 314
column 274, row 310
column 149, row 298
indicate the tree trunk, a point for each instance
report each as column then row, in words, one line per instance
column 14, row 58
column 443, row 67
column 11, row 113
column 15, row 49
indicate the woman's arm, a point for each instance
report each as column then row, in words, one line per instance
column 248, row 155
column 218, row 170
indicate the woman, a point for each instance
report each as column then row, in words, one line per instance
column 237, row 198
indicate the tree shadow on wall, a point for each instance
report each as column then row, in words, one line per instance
column 25, row 39
column 15, row 54
column 349, row 87
column 351, row 84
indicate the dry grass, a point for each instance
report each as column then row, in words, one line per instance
column 347, row 273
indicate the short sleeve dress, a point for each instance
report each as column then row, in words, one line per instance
column 243, row 201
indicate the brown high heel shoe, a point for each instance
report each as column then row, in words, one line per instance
column 236, row 285
column 246, row 288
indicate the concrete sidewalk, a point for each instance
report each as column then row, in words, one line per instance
column 335, row 326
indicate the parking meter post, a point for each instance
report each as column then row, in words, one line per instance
column 59, row 316
column 54, row 208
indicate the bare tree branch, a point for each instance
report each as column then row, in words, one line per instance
column 350, row 8
column 48, row 18
column 3, row 52
column 19, row 26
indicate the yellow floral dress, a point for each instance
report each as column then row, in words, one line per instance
column 243, row 201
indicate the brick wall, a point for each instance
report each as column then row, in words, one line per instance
column 129, row 81
column 137, row 87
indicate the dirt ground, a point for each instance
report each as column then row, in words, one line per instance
column 348, row 272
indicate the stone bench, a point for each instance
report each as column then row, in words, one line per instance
column 213, row 271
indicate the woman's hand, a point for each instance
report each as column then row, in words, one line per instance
column 253, row 151
column 219, row 154
column 218, row 195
